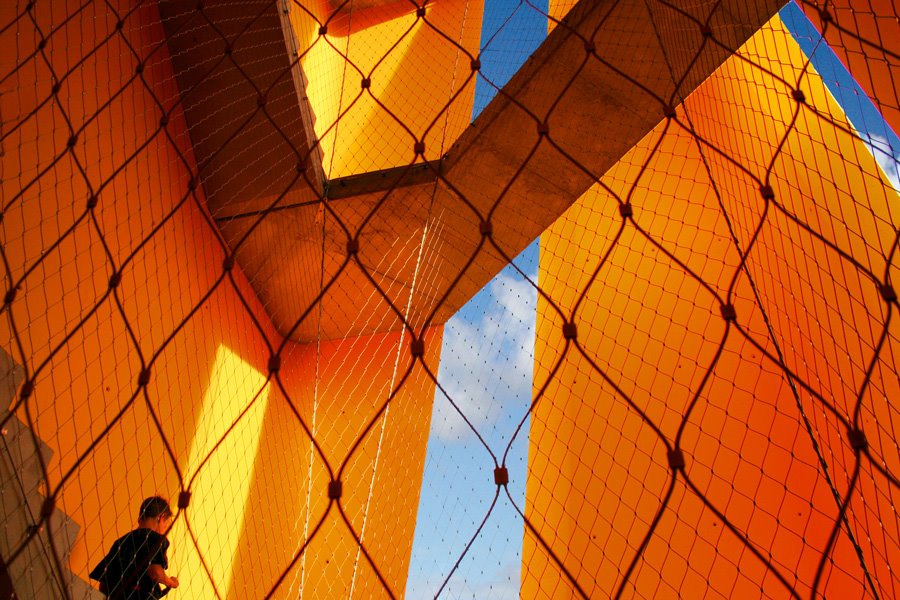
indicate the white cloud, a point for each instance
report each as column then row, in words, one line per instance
column 487, row 359
column 888, row 158
column 516, row 295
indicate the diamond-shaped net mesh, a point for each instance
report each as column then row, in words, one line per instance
column 464, row 299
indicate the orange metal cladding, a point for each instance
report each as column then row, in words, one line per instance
column 380, row 480
column 415, row 74
column 91, row 375
column 83, row 381
column 875, row 67
column 598, row 472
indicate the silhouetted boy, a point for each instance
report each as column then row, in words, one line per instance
column 135, row 567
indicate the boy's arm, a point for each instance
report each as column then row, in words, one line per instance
column 158, row 574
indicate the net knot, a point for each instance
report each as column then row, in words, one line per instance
column 419, row 147
column 144, row 377
column 366, row 83
column 420, row 12
column 887, row 292
column 114, row 280
column 767, row 192
column 706, row 30
column 669, row 111
column 543, row 128
column 486, row 228
column 417, row 347
column 228, row 263
column 352, row 246
column 274, row 363
column 48, row 507
column 475, row 64
column 10, row 296
column 323, row 29
column 857, row 439
column 501, row 476
column 184, row 499
column 798, row 95
column 626, row 210
column 728, row 312
column 676, row 459
column 570, row 331
column 335, row 489
column 27, row 389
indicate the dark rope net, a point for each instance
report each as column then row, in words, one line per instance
column 277, row 262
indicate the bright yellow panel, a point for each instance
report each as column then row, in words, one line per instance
column 232, row 414
column 414, row 74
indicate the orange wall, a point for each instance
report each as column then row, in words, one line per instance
column 598, row 473
column 85, row 347
column 339, row 388
column 415, row 74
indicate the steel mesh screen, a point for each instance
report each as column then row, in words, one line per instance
column 469, row 299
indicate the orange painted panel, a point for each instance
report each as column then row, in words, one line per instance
column 655, row 360
column 339, row 389
column 113, row 296
column 421, row 83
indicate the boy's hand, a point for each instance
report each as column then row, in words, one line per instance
column 173, row 582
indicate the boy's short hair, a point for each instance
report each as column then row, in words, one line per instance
column 153, row 507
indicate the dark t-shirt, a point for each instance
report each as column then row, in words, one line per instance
column 124, row 569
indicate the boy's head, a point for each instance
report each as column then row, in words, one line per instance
column 154, row 513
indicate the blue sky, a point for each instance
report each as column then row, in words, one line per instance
column 487, row 354
column 486, row 368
